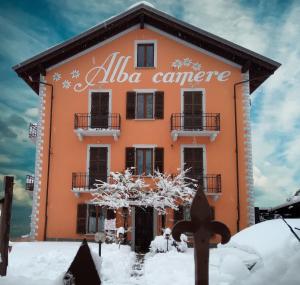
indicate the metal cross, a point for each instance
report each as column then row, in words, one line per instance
column 202, row 227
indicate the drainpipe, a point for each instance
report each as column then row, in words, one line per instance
column 237, row 147
column 49, row 151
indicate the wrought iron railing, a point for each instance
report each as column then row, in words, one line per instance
column 111, row 121
column 33, row 127
column 83, row 181
column 29, row 183
column 195, row 122
column 210, row 183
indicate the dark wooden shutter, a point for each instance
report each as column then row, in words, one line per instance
column 98, row 165
column 159, row 105
column 193, row 159
column 99, row 109
column 159, row 159
column 81, row 218
column 130, row 105
column 129, row 157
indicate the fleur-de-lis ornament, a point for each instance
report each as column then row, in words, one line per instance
column 202, row 227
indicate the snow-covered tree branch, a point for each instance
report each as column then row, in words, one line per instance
column 125, row 190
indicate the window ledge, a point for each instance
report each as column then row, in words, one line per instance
column 145, row 67
column 153, row 119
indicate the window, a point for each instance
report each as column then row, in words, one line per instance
column 144, row 161
column 96, row 217
column 144, row 106
column 145, row 55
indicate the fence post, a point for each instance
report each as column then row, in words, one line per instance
column 5, row 223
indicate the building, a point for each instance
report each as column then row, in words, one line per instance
column 289, row 210
column 141, row 89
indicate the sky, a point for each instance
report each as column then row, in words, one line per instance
column 271, row 28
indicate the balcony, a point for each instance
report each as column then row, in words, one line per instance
column 33, row 127
column 97, row 125
column 84, row 183
column 29, row 183
column 201, row 125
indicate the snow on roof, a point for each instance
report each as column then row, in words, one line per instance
column 139, row 3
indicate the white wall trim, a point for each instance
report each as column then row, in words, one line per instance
column 136, row 42
column 248, row 149
column 185, row 43
column 144, row 145
column 94, row 47
column 108, row 156
column 38, row 161
column 183, row 146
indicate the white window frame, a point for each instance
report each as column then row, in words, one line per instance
column 109, row 91
column 137, row 91
column 155, row 52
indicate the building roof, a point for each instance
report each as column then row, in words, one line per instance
column 141, row 14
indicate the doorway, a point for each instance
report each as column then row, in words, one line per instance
column 143, row 228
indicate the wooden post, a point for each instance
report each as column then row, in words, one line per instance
column 5, row 223
column 203, row 227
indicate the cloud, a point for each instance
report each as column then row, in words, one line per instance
column 268, row 27
column 20, row 195
column 32, row 112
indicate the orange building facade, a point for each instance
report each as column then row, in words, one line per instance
column 148, row 97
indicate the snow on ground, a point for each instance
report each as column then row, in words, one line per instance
column 269, row 248
column 33, row 263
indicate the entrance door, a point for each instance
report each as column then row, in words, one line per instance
column 192, row 110
column 99, row 110
column 143, row 228
column 97, row 165
column 193, row 160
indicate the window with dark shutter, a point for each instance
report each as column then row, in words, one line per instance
column 145, row 55
column 81, row 218
column 159, row 105
column 99, row 109
column 97, row 165
column 129, row 157
column 159, row 159
column 193, row 160
column 130, row 105
column 144, row 161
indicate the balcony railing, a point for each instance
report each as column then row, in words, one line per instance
column 203, row 124
column 84, row 183
column 211, row 183
column 29, row 183
column 33, row 128
column 97, row 124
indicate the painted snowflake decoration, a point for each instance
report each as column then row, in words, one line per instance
column 187, row 61
column 196, row 66
column 66, row 84
column 75, row 73
column 177, row 63
column 56, row 76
